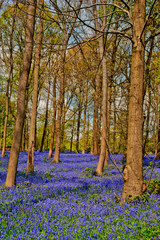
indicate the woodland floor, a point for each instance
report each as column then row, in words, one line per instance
column 66, row 201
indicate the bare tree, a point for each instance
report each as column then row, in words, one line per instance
column 30, row 160
column 13, row 160
column 66, row 34
column 102, row 53
column 54, row 119
column 10, row 70
column 46, row 119
column 133, row 173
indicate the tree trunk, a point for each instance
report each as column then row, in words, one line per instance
column 46, row 120
column 10, row 69
column 13, row 160
column 60, row 106
column 115, row 122
column 108, row 121
column 32, row 136
column 147, row 121
column 95, row 123
column 63, row 128
column 71, row 143
column 148, row 82
column 101, row 161
column 133, row 173
column 78, row 124
column 102, row 54
column 6, row 116
column 84, row 120
column 88, row 123
column 54, row 120
column 158, row 126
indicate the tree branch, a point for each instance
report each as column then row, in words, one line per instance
column 147, row 18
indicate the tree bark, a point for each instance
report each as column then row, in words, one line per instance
column 65, row 39
column 102, row 54
column 46, row 120
column 71, row 143
column 133, row 173
column 148, row 82
column 88, row 129
column 13, row 160
column 10, row 70
column 84, row 120
column 104, row 143
column 60, row 106
column 158, row 126
column 32, row 136
column 63, row 127
column 95, row 119
column 54, row 120
column 115, row 122
column 78, row 123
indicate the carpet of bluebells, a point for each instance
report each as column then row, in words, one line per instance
column 67, row 201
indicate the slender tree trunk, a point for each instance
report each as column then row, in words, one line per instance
column 63, row 128
column 133, row 173
column 104, row 142
column 23, row 140
column 71, row 143
column 101, row 161
column 84, row 120
column 95, row 148
column 78, row 124
column 158, row 126
column 54, row 120
column 95, row 123
column 115, row 122
column 147, row 120
column 6, row 117
column 46, row 120
column 88, row 123
column 13, row 160
column 114, row 89
column 10, row 69
column 60, row 106
column 1, row 124
column 32, row 136
column 148, row 82
column 108, row 121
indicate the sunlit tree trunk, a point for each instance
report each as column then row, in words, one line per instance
column 13, row 160
column 114, row 121
column 101, row 161
column 113, row 62
column 72, row 133
column 88, row 129
column 54, row 120
column 78, row 123
column 60, row 106
column 46, row 120
column 6, row 116
column 95, row 123
column 67, row 32
column 31, row 148
column 108, row 121
column 133, row 173
column 148, row 82
column 104, row 143
column 63, row 128
column 158, row 125
column 84, row 120
column 10, row 70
